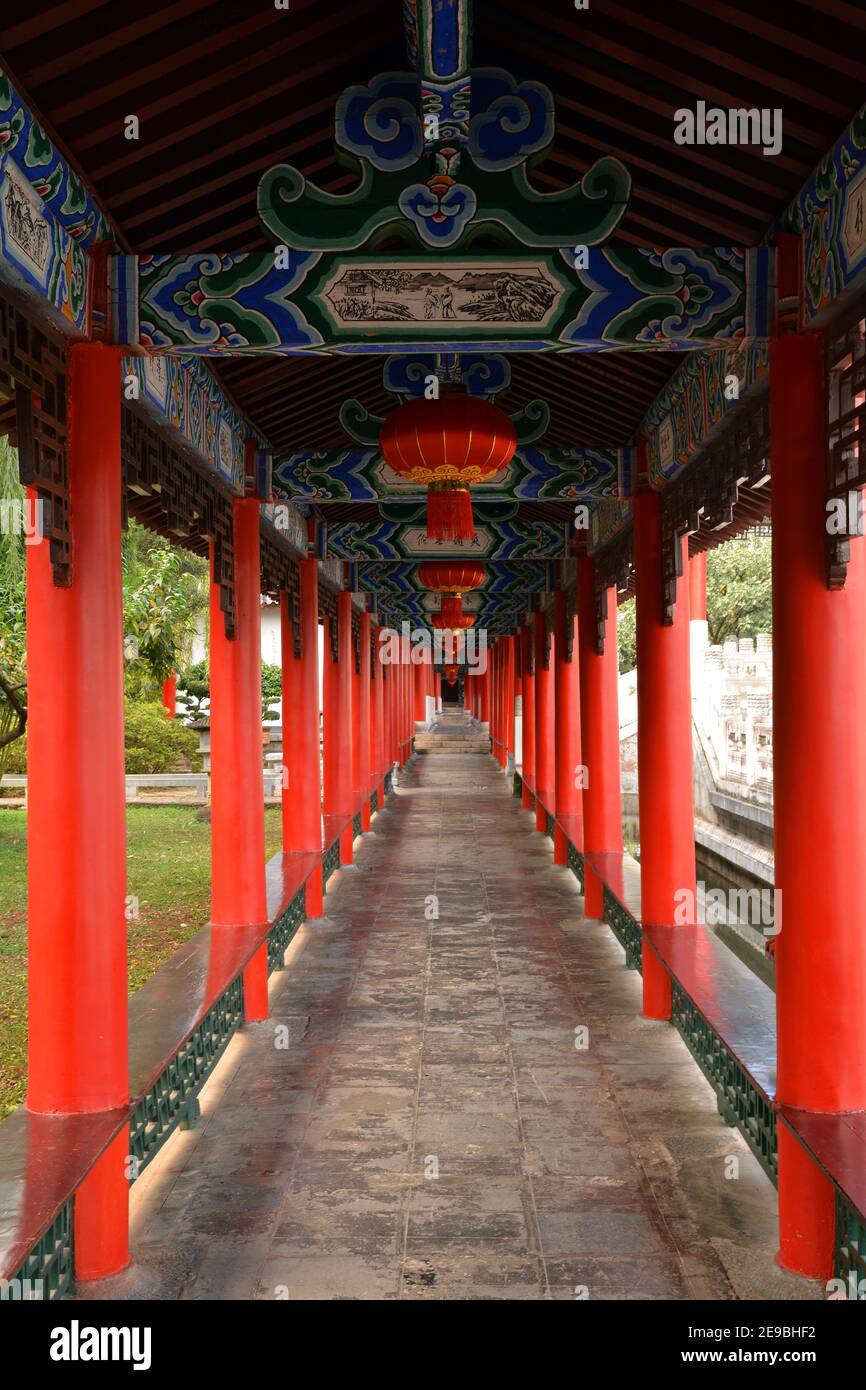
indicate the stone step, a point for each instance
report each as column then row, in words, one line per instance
column 452, row 743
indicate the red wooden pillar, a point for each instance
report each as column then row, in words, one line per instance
column 419, row 686
column 528, row 682
column 356, row 731
column 76, row 814
column 169, row 695
column 238, row 893
column 819, row 795
column 599, row 731
column 302, row 791
column 365, row 771
column 345, row 727
column 508, row 696
column 567, row 793
column 698, row 587
column 484, row 687
column 664, row 739
column 495, row 730
column 378, row 712
column 390, row 674
column 400, row 708
column 544, row 719
column 408, row 696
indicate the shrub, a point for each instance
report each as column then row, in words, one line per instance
column 157, row 744
column 153, row 743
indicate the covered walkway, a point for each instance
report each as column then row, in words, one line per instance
column 434, row 1131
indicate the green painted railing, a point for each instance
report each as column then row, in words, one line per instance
column 172, row 1101
column 575, row 863
column 741, row 1104
column 48, row 1272
column 284, row 929
column 626, row 930
column 850, row 1248
column 330, row 861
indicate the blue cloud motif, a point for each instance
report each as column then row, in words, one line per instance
column 439, row 221
column 381, row 122
column 510, row 120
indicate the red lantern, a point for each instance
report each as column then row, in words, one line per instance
column 451, row 675
column 450, row 577
column 447, row 444
column 462, row 622
column 451, row 580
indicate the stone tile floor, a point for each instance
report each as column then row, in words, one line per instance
column 436, row 1133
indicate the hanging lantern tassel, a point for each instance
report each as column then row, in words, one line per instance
column 449, row 513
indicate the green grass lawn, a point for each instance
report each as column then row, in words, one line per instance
column 168, row 870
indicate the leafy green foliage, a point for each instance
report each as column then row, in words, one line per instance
column 272, row 689
column 739, row 595
column 739, row 589
column 193, row 686
column 194, row 683
column 165, row 589
column 155, row 743
column 12, row 644
column 626, row 636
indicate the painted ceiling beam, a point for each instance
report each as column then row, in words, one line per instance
column 534, row 474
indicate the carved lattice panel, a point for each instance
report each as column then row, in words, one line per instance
column 707, row 492
column 280, row 573
column 612, row 569
column 846, row 445
column 33, row 372
column 167, row 490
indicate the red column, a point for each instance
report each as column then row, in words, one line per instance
column 544, row 711
column 169, row 696
column 238, row 894
column 495, row 731
column 345, row 728
column 408, row 720
column 484, row 686
column 528, row 681
column 378, row 711
column 76, row 816
column 356, row 732
column 302, row 791
column 419, row 678
column 365, row 760
column 599, row 731
column 508, row 696
column 698, row 586
column 568, row 795
column 391, row 675
column 819, row 795
column 664, row 736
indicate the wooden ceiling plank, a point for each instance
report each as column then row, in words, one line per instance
column 79, row 57
column 190, row 93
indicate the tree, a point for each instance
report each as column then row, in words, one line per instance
column 739, row 594
column 165, row 589
column 739, row 589
column 13, row 689
column 626, row 636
